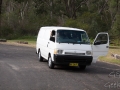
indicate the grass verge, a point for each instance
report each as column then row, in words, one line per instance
column 109, row 58
column 30, row 39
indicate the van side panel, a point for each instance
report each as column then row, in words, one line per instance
column 46, row 43
column 39, row 38
column 42, row 42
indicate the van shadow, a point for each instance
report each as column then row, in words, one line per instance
column 98, row 68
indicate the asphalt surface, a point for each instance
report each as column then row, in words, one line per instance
column 21, row 70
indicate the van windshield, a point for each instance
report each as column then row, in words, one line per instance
column 72, row 36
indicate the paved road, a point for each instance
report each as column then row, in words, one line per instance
column 21, row 70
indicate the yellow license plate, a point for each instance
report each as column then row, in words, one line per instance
column 73, row 64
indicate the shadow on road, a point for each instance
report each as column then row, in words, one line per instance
column 98, row 68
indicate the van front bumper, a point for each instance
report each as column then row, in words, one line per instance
column 66, row 59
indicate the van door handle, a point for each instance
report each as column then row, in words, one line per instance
column 107, row 46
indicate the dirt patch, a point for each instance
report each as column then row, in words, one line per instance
column 18, row 44
column 22, row 42
column 3, row 40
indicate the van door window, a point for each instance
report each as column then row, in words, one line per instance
column 52, row 36
column 101, row 39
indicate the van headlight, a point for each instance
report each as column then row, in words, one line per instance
column 88, row 53
column 58, row 51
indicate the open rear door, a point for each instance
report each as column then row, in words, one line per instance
column 100, row 46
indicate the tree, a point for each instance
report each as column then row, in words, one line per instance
column 0, row 6
column 24, row 17
column 114, row 7
column 72, row 7
column 0, row 11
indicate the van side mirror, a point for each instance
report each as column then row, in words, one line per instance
column 52, row 39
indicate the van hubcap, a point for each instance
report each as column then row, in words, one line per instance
column 39, row 55
column 49, row 62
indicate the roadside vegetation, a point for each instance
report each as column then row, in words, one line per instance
column 109, row 58
column 29, row 41
column 25, row 17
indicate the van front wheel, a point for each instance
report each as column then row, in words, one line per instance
column 50, row 63
column 40, row 57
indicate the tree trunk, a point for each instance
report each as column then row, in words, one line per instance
column 0, row 6
column 0, row 16
column 70, row 8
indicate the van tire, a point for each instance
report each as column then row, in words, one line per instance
column 82, row 67
column 40, row 57
column 50, row 63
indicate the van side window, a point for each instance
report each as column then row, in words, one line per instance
column 52, row 36
column 102, row 39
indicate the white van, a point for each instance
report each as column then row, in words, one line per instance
column 70, row 46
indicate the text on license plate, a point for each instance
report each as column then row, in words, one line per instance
column 73, row 64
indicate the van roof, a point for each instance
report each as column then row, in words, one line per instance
column 59, row 27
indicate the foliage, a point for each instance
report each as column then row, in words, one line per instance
column 25, row 17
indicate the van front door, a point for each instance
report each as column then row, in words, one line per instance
column 100, row 46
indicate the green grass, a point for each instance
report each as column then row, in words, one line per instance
column 30, row 39
column 25, row 40
column 112, row 60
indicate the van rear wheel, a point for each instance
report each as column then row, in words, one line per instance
column 40, row 57
column 50, row 63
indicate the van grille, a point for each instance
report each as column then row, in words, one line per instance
column 72, row 53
